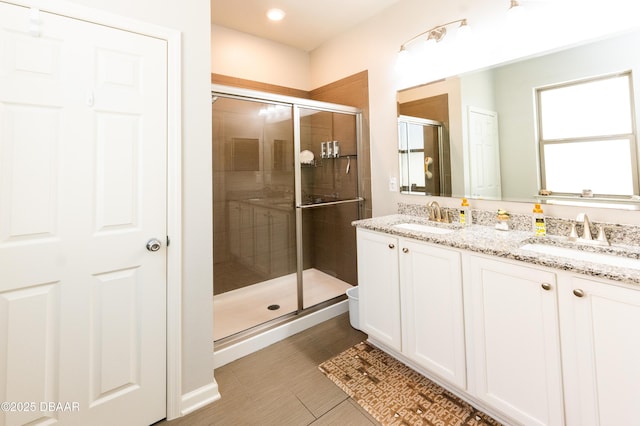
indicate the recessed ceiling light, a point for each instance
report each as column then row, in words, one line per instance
column 275, row 14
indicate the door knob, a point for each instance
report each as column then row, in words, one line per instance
column 578, row 292
column 154, row 244
column 546, row 286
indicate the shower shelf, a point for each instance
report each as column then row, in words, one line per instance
column 353, row 156
column 318, row 163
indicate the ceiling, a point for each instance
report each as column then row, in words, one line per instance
column 307, row 25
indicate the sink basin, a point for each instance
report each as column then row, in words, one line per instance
column 586, row 256
column 423, row 228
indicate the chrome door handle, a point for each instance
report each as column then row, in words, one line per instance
column 154, row 244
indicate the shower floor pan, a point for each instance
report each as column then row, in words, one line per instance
column 247, row 307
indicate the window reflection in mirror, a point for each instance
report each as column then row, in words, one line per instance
column 588, row 123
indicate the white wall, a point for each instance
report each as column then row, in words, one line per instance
column 192, row 19
column 374, row 46
column 245, row 56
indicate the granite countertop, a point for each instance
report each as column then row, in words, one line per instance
column 506, row 244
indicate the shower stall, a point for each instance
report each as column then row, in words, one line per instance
column 286, row 188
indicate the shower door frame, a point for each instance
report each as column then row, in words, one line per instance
column 297, row 144
column 296, row 104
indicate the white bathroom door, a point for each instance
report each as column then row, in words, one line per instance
column 484, row 154
column 82, row 189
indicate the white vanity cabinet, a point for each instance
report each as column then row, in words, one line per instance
column 601, row 348
column 379, row 287
column 514, row 343
column 432, row 309
column 411, row 301
column 529, row 344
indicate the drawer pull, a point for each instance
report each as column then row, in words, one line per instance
column 546, row 286
column 392, row 246
column 405, row 250
column 578, row 292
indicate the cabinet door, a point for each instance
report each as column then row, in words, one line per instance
column 379, row 289
column 514, row 334
column 601, row 344
column 432, row 310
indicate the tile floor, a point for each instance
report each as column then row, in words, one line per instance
column 281, row 384
column 243, row 308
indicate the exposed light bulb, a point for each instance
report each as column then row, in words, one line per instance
column 275, row 14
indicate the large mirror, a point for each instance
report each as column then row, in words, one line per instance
column 490, row 119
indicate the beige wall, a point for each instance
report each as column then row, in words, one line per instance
column 245, row 56
column 192, row 19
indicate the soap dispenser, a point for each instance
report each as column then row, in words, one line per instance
column 539, row 223
column 465, row 213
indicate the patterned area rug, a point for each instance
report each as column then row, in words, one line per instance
column 394, row 394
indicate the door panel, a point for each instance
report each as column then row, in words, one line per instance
column 484, row 153
column 29, row 342
column 117, row 169
column 115, row 351
column 82, row 190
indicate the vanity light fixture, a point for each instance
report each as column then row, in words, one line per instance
column 275, row 14
column 437, row 33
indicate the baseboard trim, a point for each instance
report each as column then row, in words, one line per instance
column 255, row 343
column 200, row 397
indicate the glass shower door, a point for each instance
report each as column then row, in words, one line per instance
column 328, row 201
column 254, row 226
